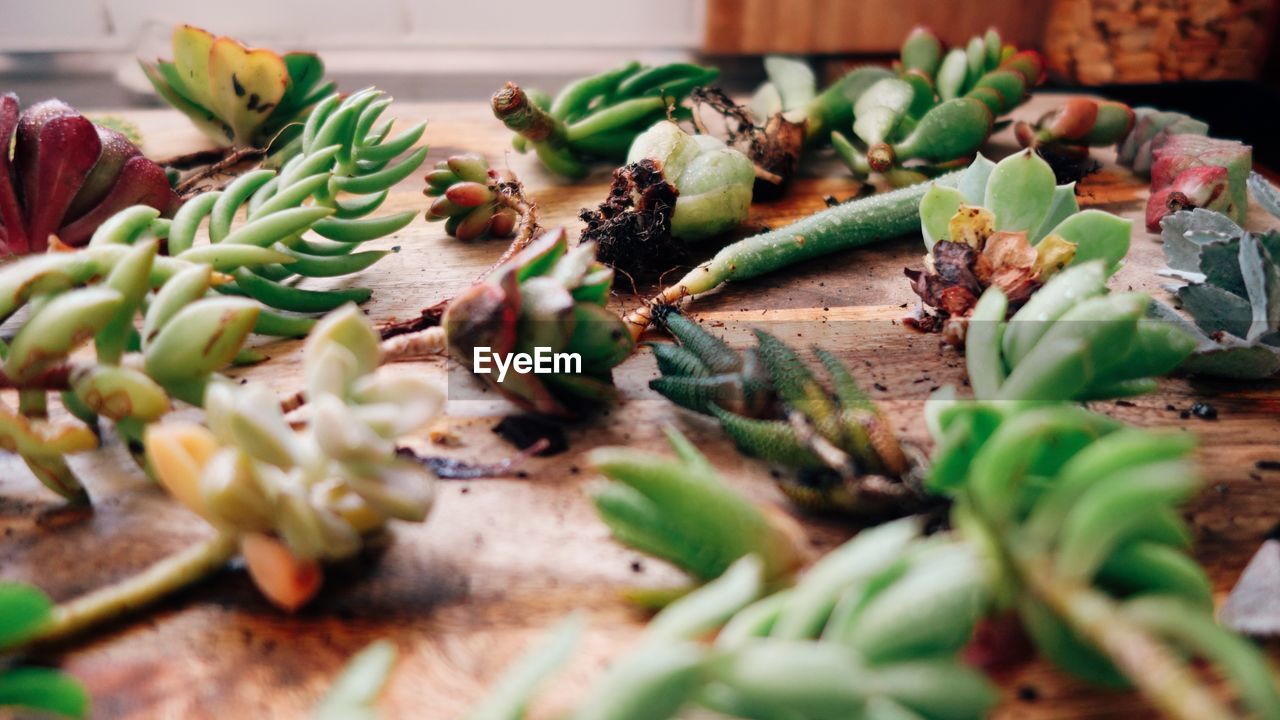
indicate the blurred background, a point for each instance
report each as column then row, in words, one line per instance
column 83, row 50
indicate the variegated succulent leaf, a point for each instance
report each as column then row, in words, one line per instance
column 237, row 95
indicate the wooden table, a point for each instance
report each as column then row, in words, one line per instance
column 499, row 561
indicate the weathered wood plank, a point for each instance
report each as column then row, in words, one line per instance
column 499, row 561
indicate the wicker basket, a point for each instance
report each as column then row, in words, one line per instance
column 1139, row 41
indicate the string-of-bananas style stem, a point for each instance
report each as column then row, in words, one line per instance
column 343, row 172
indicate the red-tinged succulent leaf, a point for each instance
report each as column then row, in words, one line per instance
column 56, row 149
column 67, row 176
column 140, row 182
column 13, row 231
column 116, row 151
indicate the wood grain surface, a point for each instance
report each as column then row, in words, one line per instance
column 499, row 561
column 861, row 27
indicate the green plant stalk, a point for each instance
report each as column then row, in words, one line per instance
column 163, row 578
column 843, row 227
column 1150, row 665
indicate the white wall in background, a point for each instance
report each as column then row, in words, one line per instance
column 142, row 25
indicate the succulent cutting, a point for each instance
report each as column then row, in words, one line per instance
column 872, row 629
column 96, row 294
column 678, row 509
column 475, row 201
column 1064, row 516
column 785, row 117
column 674, row 190
column 597, row 117
column 297, row 498
column 839, row 451
column 549, row 297
column 1071, row 341
column 346, row 164
column 1080, row 516
column 285, row 494
column 1005, row 225
column 236, row 95
column 940, row 108
column 1228, row 278
column 62, row 176
column 843, row 227
column 1063, row 136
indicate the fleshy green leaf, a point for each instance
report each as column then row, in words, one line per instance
column 1020, row 192
column 43, row 690
column 356, row 690
column 23, row 609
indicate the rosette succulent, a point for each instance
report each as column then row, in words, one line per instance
column 294, row 498
column 1005, row 225
column 549, row 298
column 66, row 176
column 1229, row 279
column 676, row 188
column 237, row 95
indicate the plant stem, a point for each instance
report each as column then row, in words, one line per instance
column 850, row 225
column 167, row 576
column 1153, row 667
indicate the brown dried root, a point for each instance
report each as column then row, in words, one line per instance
column 774, row 149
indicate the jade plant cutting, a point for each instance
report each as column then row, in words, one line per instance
column 237, row 95
column 1063, row 135
column 839, row 451
column 548, row 296
column 939, row 110
column 871, row 630
column 286, row 494
column 1005, row 225
column 1228, row 279
column 676, row 189
column 595, row 117
column 61, row 176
